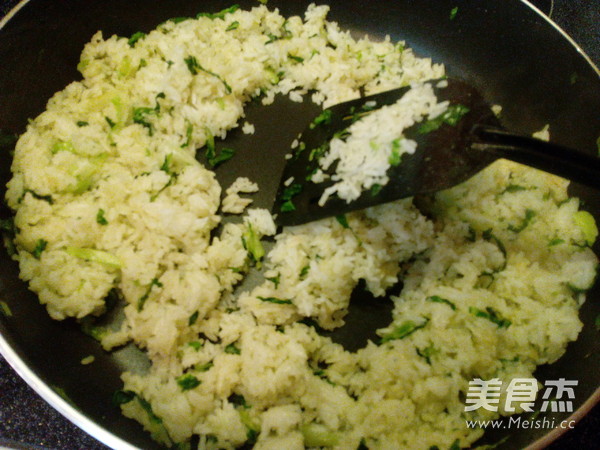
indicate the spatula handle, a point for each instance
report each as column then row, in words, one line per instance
column 565, row 162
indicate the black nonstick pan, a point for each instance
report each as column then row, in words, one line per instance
column 504, row 47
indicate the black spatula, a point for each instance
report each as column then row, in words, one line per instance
column 445, row 156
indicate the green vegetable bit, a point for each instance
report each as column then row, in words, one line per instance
column 438, row 299
column 142, row 300
column 585, row 221
column 141, row 114
column 46, row 198
column 233, row 26
column 62, row 146
column 135, row 37
column 287, row 195
column 90, row 329
column 556, row 241
column 491, row 315
column 210, row 144
column 156, row 426
column 224, row 155
column 167, row 184
column 316, row 153
column 63, row 394
column 5, row 309
column 145, row 404
column 455, row 445
column 196, row 345
column 358, row 113
column 529, row 215
column 427, row 352
column 395, row 156
column 301, row 147
column 187, row 382
column 471, row 234
column 403, row 330
column 453, row 12
column 193, row 318
column 99, row 256
column 342, row 134
column 597, row 322
column 140, row 117
column 253, row 246
column 166, row 165
column 238, row 400
column 376, row 189
column 511, row 188
column 275, row 280
column 272, row 38
column 40, row 246
column 232, row 350
column 322, row 375
column 122, row 397
column 221, row 14
column 277, row 301
column 194, row 67
column 343, row 221
column 450, row 117
column 298, row 59
column 488, row 235
column 322, row 119
column 203, row 367
column 110, row 122
column 179, row 19
column 212, row 157
column 304, row 272
column 252, row 428
column 251, row 434
column 100, row 217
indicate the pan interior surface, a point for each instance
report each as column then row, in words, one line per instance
column 504, row 48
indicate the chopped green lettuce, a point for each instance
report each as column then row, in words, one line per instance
column 142, row 300
column 219, row 15
column 252, row 244
column 277, row 301
column 438, row 299
column 93, row 255
column 450, row 117
column 135, row 37
column 187, row 382
column 40, row 246
column 491, row 315
column 403, row 330
column 586, row 222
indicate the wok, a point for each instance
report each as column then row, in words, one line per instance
column 505, row 48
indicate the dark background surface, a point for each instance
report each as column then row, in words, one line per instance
column 27, row 421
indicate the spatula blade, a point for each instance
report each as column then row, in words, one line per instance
column 443, row 158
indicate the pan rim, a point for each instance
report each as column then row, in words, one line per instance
column 563, row 33
column 110, row 439
column 9, row 15
column 57, row 402
column 576, row 417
